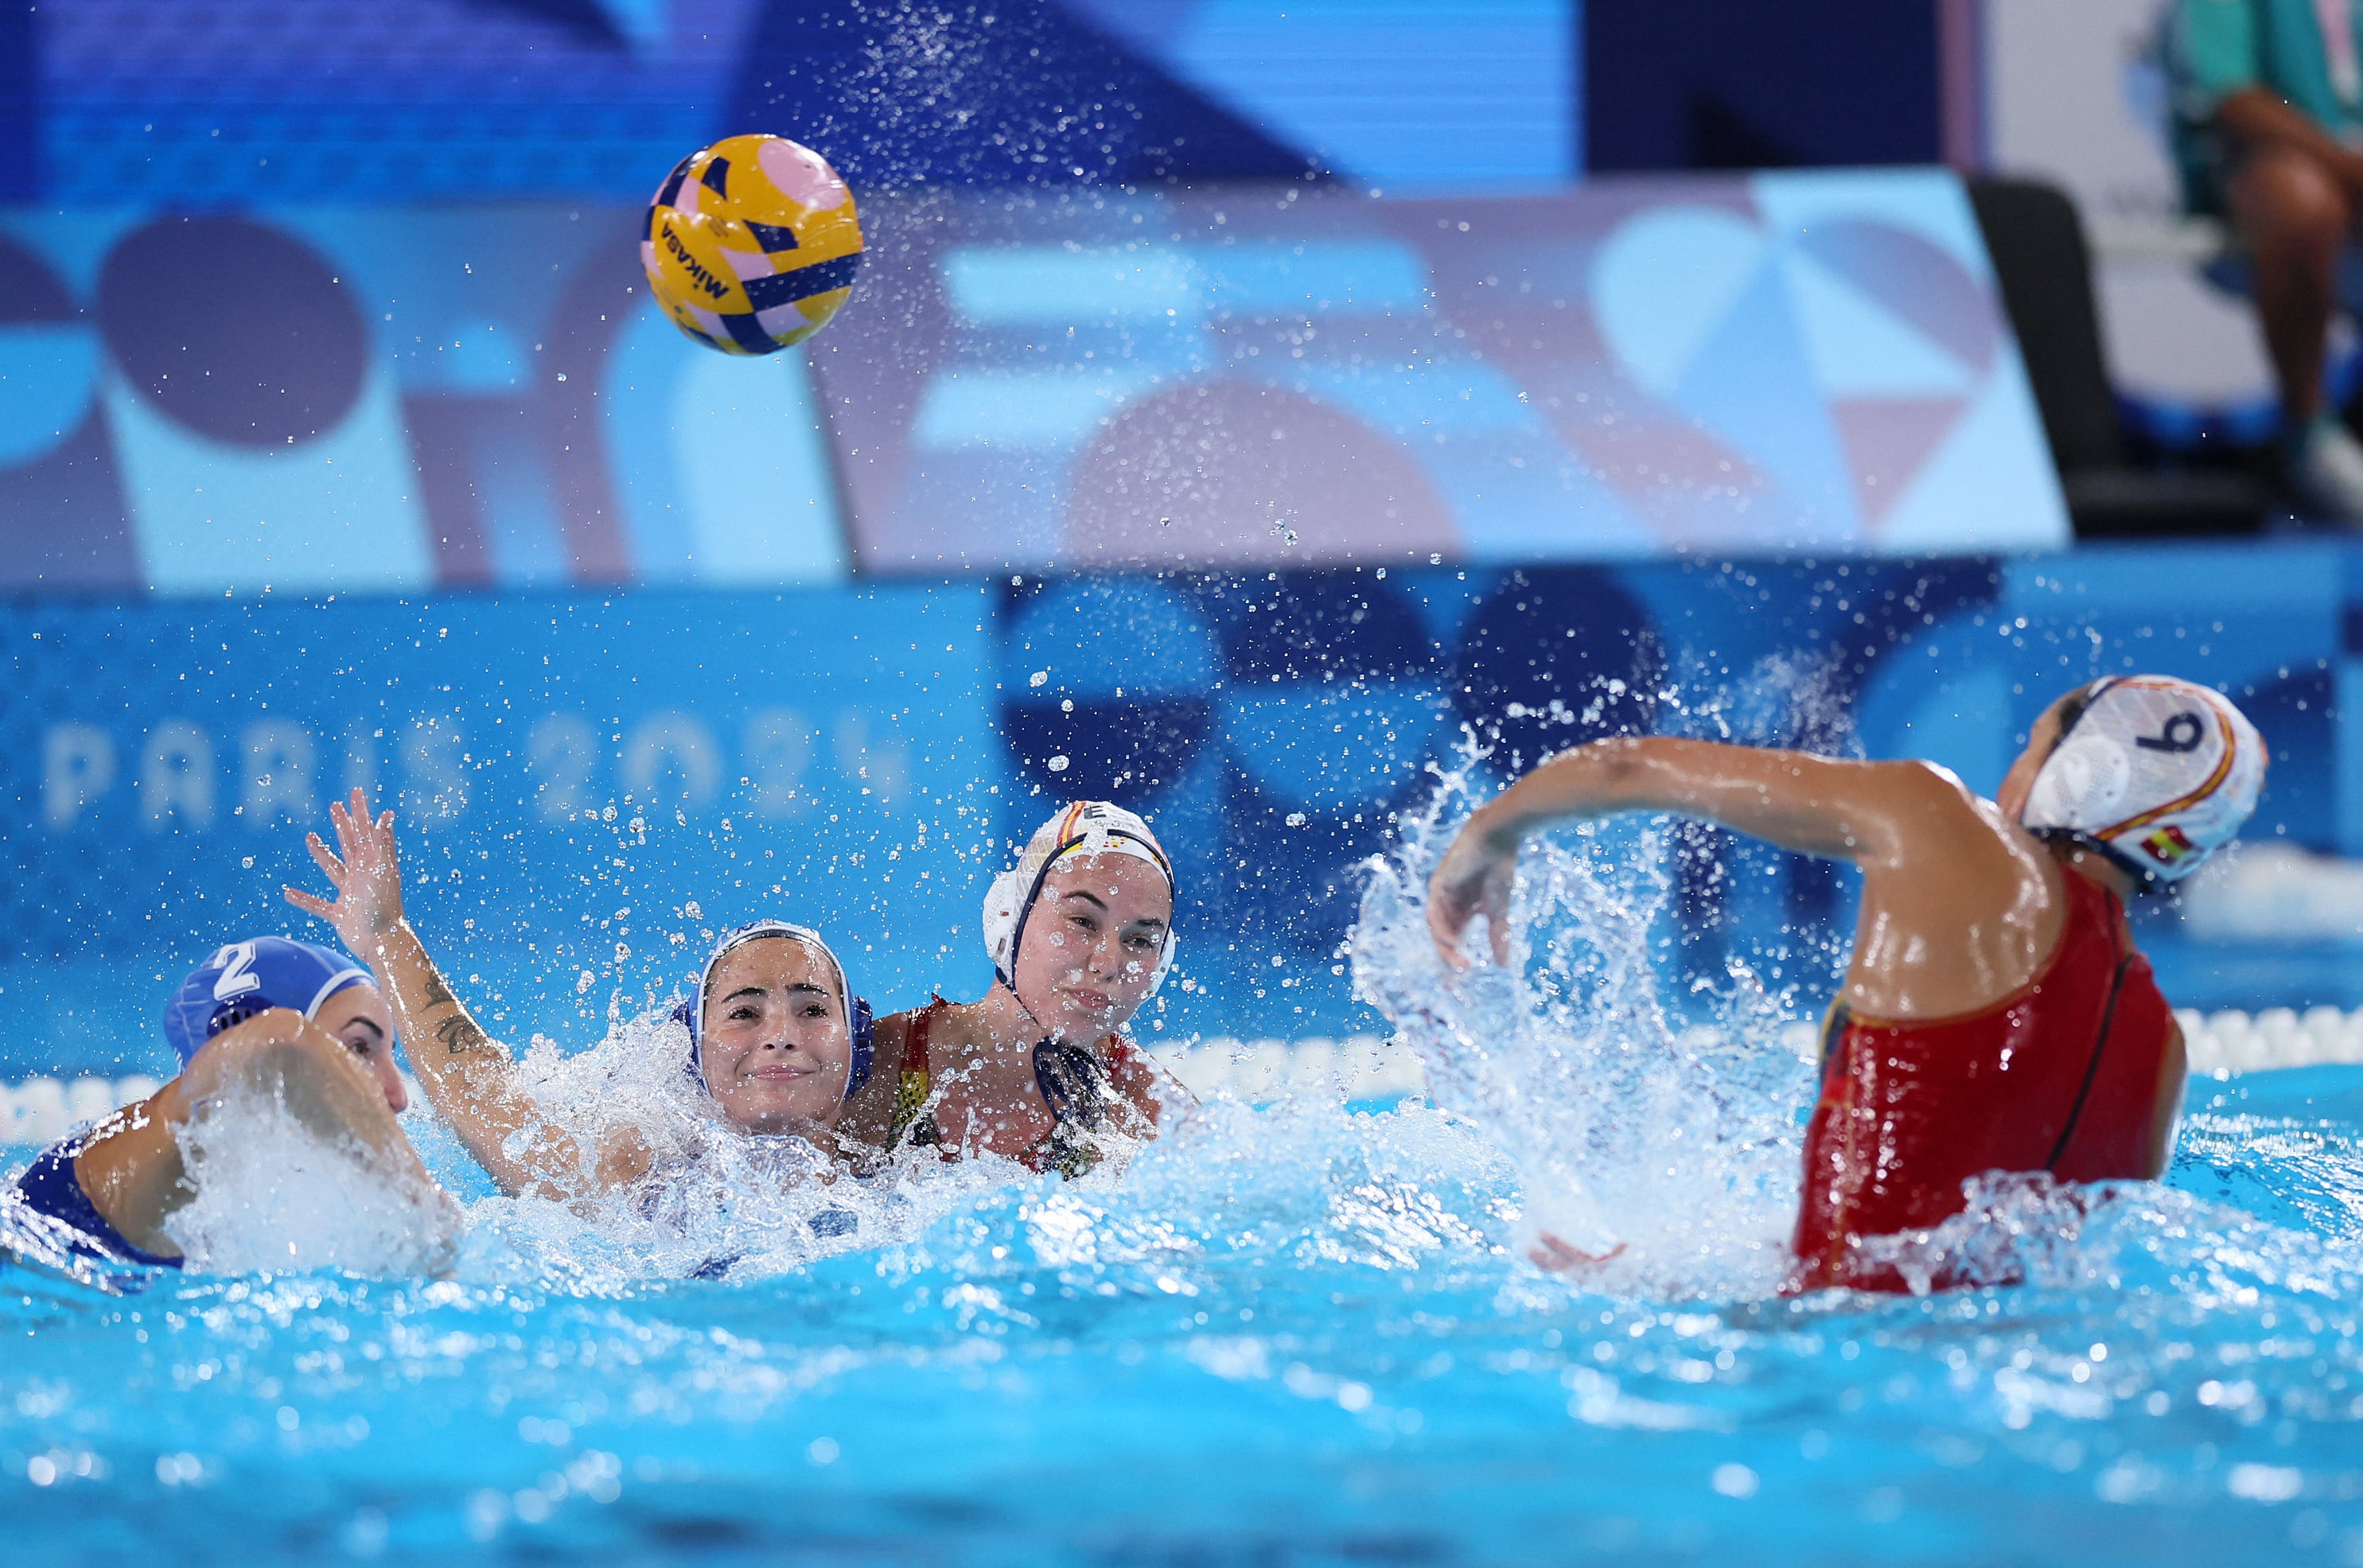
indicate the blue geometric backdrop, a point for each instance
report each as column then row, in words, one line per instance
column 248, row 101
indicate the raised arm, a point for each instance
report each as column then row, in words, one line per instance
column 470, row 1077
column 1873, row 813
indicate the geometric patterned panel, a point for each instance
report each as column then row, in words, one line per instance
column 1786, row 362
column 380, row 399
column 389, row 397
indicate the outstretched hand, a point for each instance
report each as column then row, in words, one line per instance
column 368, row 881
column 1473, row 879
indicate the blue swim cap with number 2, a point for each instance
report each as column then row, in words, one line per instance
column 248, row 978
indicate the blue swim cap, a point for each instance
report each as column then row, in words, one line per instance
column 246, row 978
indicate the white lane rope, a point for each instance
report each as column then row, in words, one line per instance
column 1358, row 1068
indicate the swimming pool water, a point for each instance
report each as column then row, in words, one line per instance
column 1292, row 1335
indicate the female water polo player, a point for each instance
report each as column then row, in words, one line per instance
column 1995, row 1015
column 297, row 1022
column 777, row 1039
column 1081, row 933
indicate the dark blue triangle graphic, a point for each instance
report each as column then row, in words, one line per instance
column 786, row 288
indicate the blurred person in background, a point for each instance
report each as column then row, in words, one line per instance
column 2267, row 129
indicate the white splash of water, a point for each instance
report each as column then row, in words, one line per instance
column 717, row 1202
column 271, row 1194
column 2026, row 1228
column 1662, row 1130
column 2016, row 1227
column 27, row 1235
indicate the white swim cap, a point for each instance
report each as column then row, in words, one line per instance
column 2157, row 773
column 1085, row 828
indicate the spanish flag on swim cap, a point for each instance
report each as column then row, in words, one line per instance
column 2157, row 773
column 1085, row 828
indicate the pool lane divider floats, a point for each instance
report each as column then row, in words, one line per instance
column 1361, row 1069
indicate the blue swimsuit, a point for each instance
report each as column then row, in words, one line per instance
column 50, row 1189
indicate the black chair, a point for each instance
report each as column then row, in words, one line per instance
column 2040, row 258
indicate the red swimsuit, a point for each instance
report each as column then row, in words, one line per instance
column 914, row 1123
column 2062, row 1075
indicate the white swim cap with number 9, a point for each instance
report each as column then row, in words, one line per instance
column 2159, row 773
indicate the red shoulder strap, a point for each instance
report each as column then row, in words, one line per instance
column 914, row 1038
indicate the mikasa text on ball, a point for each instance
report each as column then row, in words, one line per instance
column 752, row 244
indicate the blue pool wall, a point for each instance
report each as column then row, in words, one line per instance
column 861, row 757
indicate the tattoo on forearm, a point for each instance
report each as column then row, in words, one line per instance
column 459, row 1034
column 437, row 993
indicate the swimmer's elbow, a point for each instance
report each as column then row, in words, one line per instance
column 625, row 1158
column 277, row 1045
column 556, row 1180
column 1612, row 773
column 1623, row 760
column 1664, row 773
column 541, row 1161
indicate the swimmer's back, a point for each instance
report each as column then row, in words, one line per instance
column 51, row 1192
column 2074, row 1072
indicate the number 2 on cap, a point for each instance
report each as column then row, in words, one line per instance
column 239, row 977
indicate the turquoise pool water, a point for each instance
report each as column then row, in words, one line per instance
column 1293, row 1335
